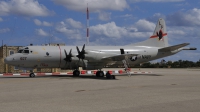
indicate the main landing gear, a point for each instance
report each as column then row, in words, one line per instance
column 109, row 76
column 76, row 73
column 99, row 74
column 31, row 75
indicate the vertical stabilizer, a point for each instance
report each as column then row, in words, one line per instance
column 159, row 37
column 160, row 34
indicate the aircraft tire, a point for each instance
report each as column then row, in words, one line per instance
column 108, row 76
column 76, row 73
column 101, row 74
column 32, row 75
column 113, row 76
column 98, row 74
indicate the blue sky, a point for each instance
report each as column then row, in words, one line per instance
column 112, row 22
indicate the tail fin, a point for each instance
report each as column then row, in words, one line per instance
column 160, row 34
column 159, row 37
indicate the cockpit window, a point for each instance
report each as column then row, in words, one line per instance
column 26, row 51
column 20, row 51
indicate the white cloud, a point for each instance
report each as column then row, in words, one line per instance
column 44, row 23
column 108, row 30
column 94, row 5
column 155, row 17
column 111, row 30
column 47, row 23
column 104, row 16
column 145, row 26
column 73, row 23
column 37, row 22
column 1, row 19
column 69, row 28
column 23, row 8
column 156, row 0
column 41, row 32
column 177, row 32
column 126, row 16
column 188, row 18
column 4, row 30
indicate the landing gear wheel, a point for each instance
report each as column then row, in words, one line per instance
column 99, row 74
column 113, row 76
column 31, row 75
column 109, row 76
column 76, row 73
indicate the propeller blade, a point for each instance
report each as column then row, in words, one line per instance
column 65, row 52
column 68, row 57
column 78, row 50
column 83, row 49
column 70, row 52
column 81, row 55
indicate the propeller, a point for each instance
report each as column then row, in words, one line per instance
column 81, row 54
column 68, row 57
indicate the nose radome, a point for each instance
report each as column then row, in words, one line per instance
column 7, row 60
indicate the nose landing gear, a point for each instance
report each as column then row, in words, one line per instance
column 99, row 74
column 32, row 75
column 76, row 73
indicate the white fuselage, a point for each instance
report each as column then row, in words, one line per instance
column 53, row 56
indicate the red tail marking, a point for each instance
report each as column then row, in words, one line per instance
column 155, row 36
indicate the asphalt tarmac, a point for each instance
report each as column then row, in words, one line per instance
column 165, row 90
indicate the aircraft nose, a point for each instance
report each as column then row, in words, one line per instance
column 7, row 60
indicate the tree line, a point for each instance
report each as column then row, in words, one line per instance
column 170, row 64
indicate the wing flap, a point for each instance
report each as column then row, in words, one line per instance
column 172, row 48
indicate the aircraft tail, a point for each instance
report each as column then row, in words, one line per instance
column 159, row 37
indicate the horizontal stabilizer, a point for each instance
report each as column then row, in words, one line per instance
column 119, row 57
column 192, row 48
column 172, row 48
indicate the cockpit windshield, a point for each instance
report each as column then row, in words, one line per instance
column 20, row 51
column 23, row 50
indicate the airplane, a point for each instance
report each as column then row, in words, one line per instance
column 96, row 57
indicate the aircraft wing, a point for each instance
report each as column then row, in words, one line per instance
column 118, row 57
column 172, row 48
